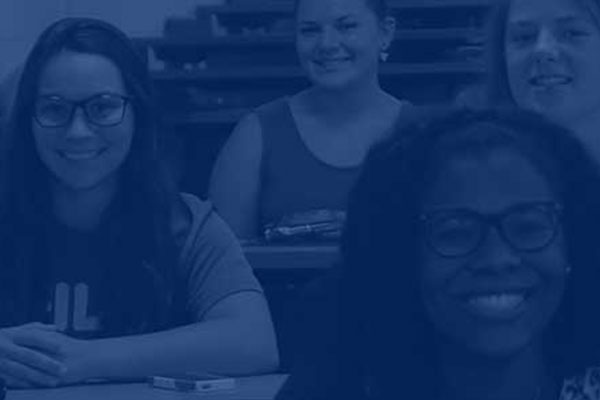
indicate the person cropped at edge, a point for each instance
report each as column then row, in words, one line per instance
column 108, row 272
column 470, row 268
column 544, row 55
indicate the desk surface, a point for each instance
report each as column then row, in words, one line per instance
column 254, row 388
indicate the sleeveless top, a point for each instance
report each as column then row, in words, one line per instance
column 293, row 179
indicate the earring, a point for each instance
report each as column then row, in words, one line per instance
column 383, row 55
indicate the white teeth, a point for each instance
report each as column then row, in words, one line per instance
column 331, row 63
column 78, row 156
column 502, row 301
column 550, row 81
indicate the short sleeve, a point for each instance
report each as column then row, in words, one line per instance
column 212, row 261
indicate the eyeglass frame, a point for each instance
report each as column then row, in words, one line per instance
column 83, row 105
column 494, row 220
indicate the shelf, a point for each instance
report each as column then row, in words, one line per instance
column 286, row 8
column 288, row 40
column 291, row 72
column 207, row 117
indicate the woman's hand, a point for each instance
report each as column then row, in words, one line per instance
column 29, row 356
column 67, row 358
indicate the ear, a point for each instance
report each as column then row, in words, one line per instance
column 388, row 30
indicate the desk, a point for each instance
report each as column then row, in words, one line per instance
column 253, row 388
column 284, row 271
column 299, row 257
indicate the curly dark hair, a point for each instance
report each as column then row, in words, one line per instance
column 388, row 346
column 137, row 228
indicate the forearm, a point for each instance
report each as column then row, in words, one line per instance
column 219, row 346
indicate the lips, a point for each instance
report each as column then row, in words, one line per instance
column 499, row 304
column 330, row 63
column 81, row 155
column 499, row 301
column 545, row 81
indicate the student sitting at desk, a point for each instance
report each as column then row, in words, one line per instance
column 302, row 153
column 106, row 271
column 470, row 268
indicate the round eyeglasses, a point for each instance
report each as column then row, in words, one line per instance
column 524, row 227
column 104, row 110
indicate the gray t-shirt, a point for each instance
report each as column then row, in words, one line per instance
column 211, row 265
column 212, row 261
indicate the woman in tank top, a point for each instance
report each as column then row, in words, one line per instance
column 302, row 153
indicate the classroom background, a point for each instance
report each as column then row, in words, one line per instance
column 214, row 60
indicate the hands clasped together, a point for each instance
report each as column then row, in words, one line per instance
column 38, row 355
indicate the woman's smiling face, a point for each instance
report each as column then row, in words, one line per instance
column 81, row 154
column 491, row 296
column 339, row 41
column 552, row 50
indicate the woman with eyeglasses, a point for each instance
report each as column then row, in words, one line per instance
column 470, row 267
column 107, row 272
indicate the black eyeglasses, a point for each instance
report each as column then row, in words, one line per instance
column 104, row 109
column 525, row 227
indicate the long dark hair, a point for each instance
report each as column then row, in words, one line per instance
column 388, row 345
column 139, row 285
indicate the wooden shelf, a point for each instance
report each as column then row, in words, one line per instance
column 300, row 257
column 288, row 40
column 207, row 117
column 292, row 72
column 287, row 7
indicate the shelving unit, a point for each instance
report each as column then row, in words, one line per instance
column 212, row 69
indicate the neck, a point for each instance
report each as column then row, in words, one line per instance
column 337, row 104
column 472, row 377
column 587, row 131
column 82, row 209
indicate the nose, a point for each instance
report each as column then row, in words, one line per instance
column 495, row 254
column 546, row 46
column 79, row 126
column 329, row 38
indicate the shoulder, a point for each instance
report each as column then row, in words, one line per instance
column 246, row 140
column 246, row 137
column 272, row 107
column 243, row 147
column 585, row 386
column 196, row 225
column 191, row 217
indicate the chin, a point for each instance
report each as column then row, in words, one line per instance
column 330, row 84
column 81, row 183
column 333, row 81
column 498, row 345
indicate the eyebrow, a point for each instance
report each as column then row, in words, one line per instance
column 561, row 20
column 338, row 19
column 345, row 17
